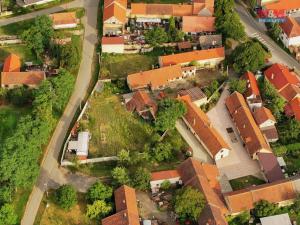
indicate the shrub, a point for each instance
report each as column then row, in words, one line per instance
column 165, row 185
column 99, row 191
column 66, row 196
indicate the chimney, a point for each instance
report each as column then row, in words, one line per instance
column 124, row 201
column 244, row 126
column 125, row 215
column 194, row 122
column 272, row 76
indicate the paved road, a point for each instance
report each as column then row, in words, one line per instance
column 255, row 29
column 50, row 173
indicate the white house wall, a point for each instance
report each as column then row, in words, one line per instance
column 64, row 26
column 113, row 48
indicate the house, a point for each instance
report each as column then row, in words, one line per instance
column 126, row 208
column 207, row 41
column 270, row 166
column 81, row 145
column 282, row 219
column 209, row 58
column 252, row 94
column 200, row 125
column 288, row 6
column 112, row 44
column 198, row 24
column 12, row 63
column 114, row 17
column 158, row 78
column 287, row 84
column 266, row 123
column 290, row 32
column 157, row 178
column 26, row 3
column 196, row 94
column 64, row 20
column 143, row 104
column 282, row 192
column 249, row 131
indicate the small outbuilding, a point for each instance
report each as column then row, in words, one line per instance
column 81, row 145
column 282, row 219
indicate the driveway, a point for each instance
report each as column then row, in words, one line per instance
column 49, row 171
column 238, row 163
column 199, row 151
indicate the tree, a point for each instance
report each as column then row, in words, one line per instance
column 120, row 175
column 188, row 203
column 141, row 179
column 275, row 30
column 5, row 194
column 264, row 208
column 7, row 215
column 238, row 85
column 169, row 110
column 19, row 96
column 124, row 157
column 156, row 36
column 248, row 56
column 174, row 34
column 165, row 185
column 66, row 196
column 99, row 191
column 45, row 26
column 213, row 86
column 98, row 209
column 241, row 219
column 162, row 152
column 289, row 131
column 70, row 55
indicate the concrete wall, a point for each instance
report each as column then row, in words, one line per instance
column 295, row 41
column 119, row 48
column 156, row 184
column 64, row 26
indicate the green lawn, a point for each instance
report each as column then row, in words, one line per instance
column 244, row 182
column 101, row 170
column 112, row 127
column 21, row 50
column 16, row 28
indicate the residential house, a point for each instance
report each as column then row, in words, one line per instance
column 12, row 77
column 287, row 84
column 270, row 167
column 250, row 133
column 143, row 104
column 200, row 125
column 209, row 58
column 64, row 20
column 114, row 17
column 198, row 24
column 26, row 3
column 290, row 32
column 288, row 6
column 281, row 219
column 252, row 94
column 207, row 41
column 282, row 192
column 112, row 44
column 81, row 145
column 196, row 94
column 158, row 78
column 126, row 208
column 266, row 123
column 157, row 178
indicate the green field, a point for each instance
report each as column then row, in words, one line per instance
column 244, row 182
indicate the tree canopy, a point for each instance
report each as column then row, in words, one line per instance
column 264, row 208
column 156, row 36
column 98, row 209
column 120, row 176
column 99, row 191
column 238, row 85
column 162, row 151
column 7, row 215
column 66, row 196
column 141, row 179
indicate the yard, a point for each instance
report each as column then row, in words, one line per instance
column 244, row 182
column 19, row 49
column 16, row 28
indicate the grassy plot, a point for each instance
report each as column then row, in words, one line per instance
column 113, row 128
column 20, row 200
column 244, row 182
column 21, row 50
column 16, row 28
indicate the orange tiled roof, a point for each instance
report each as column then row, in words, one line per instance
column 198, row 24
column 63, row 18
column 12, row 63
column 114, row 10
column 197, row 55
column 164, row 175
column 201, row 124
column 154, row 78
column 290, row 27
column 295, row 106
column 279, row 75
column 252, row 87
column 112, row 40
column 263, row 114
column 126, row 208
column 290, row 91
column 283, row 5
column 238, row 201
column 248, row 129
column 122, row 3
column 31, row 78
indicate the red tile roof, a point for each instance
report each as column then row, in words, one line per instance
column 279, row 191
column 283, row 5
column 122, row 3
column 31, row 78
column 198, row 24
column 252, row 87
column 164, row 175
column 114, row 10
column 202, row 126
column 126, row 208
column 12, row 63
column 63, row 18
column 187, row 57
column 245, row 123
column 270, row 166
column 295, row 106
column 279, row 75
column 154, row 78
column 112, row 40
column 262, row 115
column 289, row 92
column 290, row 27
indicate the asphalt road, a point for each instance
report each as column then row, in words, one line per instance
column 256, row 29
column 50, row 174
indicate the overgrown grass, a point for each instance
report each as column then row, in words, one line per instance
column 21, row 50
column 244, row 182
column 16, row 28
column 20, row 200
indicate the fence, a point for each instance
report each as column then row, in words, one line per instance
column 94, row 160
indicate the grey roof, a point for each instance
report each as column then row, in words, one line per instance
column 213, row 40
column 195, row 93
column 282, row 219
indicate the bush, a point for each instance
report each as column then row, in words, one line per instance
column 5, row 195
column 264, row 208
column 165, row 185
column 19, row 96
column 66, row 196
column 141, row 179
column 99, row 191
column 98, row 209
